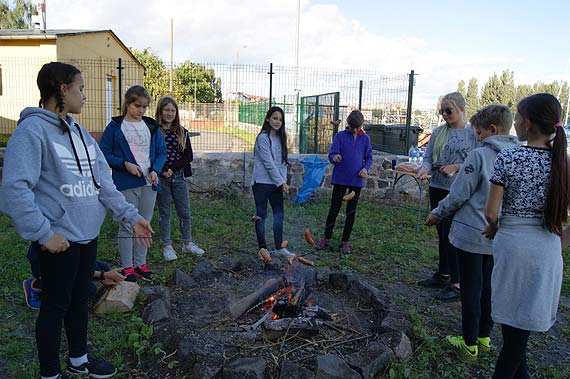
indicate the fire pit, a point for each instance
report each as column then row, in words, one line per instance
column 232, row 319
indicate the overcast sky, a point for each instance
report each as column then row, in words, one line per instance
column 443, row 41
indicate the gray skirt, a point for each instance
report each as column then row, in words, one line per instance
column 527, row 274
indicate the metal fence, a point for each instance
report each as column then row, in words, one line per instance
column 239, row 96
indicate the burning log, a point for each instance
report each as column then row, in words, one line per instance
column 240, row 307
column 303, row 327
column 291, row 305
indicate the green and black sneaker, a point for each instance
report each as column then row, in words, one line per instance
column 484, row 343
column 470, row 351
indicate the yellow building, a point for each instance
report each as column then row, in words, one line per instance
column 108, row 67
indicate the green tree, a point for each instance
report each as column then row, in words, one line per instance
column 472, row 98
column 461, row 87
column 194, row 82
column 18, row 17
column 156, row 77
column 523, row 91
column 499, row 90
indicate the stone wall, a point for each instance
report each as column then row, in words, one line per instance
column 232, row 171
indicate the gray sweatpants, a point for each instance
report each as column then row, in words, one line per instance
column 143, row 199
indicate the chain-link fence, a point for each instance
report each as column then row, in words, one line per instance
column 223, row 105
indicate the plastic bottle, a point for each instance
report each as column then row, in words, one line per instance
column 411, row 154
column 415, row 154
column 422, row 154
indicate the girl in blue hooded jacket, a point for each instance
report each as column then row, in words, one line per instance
column 135, row 149
column 351, row 155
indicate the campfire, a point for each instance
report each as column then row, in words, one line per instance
column 230, row 317
column 285, row 306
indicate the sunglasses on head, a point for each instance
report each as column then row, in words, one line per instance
column 446, row 111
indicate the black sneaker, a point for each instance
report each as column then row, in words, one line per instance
column 449, row 293
column 436, row 281
column 95, row 368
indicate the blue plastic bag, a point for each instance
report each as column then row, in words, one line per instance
column 314, row 173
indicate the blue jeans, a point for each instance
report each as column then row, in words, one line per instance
column 262, row 193
column 174, row 187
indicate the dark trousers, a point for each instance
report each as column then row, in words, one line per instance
column 66, row 288
column 336, row 202
column 447, row 252
column 263, row 193
column 512, row 358
column 475, row 279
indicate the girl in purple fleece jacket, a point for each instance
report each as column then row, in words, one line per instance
column 351, row 154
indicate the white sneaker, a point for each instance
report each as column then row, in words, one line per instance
column 284, row 253
column 169, row 253
column 192, row 248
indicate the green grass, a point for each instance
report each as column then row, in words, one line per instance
column 387, row 251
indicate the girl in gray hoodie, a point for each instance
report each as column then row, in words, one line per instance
column 56, row 188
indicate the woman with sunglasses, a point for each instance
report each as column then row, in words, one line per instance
column 447, row 149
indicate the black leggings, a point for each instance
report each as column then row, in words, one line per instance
column 447, row 252
column 66, row 288
column 512, row 359
column 336, row 202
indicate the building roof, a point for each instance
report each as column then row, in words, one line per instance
column 47, row 34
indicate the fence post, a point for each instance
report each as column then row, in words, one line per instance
column 120, row 68
column 409, row 109
column 360, row 95
column 270, row 83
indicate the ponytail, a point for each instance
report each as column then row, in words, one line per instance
column 558, row 198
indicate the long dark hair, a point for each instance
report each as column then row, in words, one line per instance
column 50, row 78
column 281, row 132
column 544, row 112
column 175, row 125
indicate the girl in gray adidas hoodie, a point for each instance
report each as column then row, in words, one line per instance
column 56, row 189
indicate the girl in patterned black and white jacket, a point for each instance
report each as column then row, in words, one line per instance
column 533, row 184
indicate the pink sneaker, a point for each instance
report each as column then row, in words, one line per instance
column 144, row 272
column 129, row 274
column 322, row 244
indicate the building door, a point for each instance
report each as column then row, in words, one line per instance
column 108, row 99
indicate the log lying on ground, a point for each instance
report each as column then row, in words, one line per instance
column 240, row 307
column 119, row 299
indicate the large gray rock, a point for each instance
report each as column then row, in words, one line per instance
column 371, row 295
column 183, row 280
column 371, row 360
column 201, row 371
column 397, row 321
column 332, row 366
column 205, row 271
column 399, row 343
column 158, row 310
column 229, row 263
column 339, row 281
column 290, row 370
column 245, row 368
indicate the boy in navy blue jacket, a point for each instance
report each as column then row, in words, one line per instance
column 351, row 155
column 467, row 198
